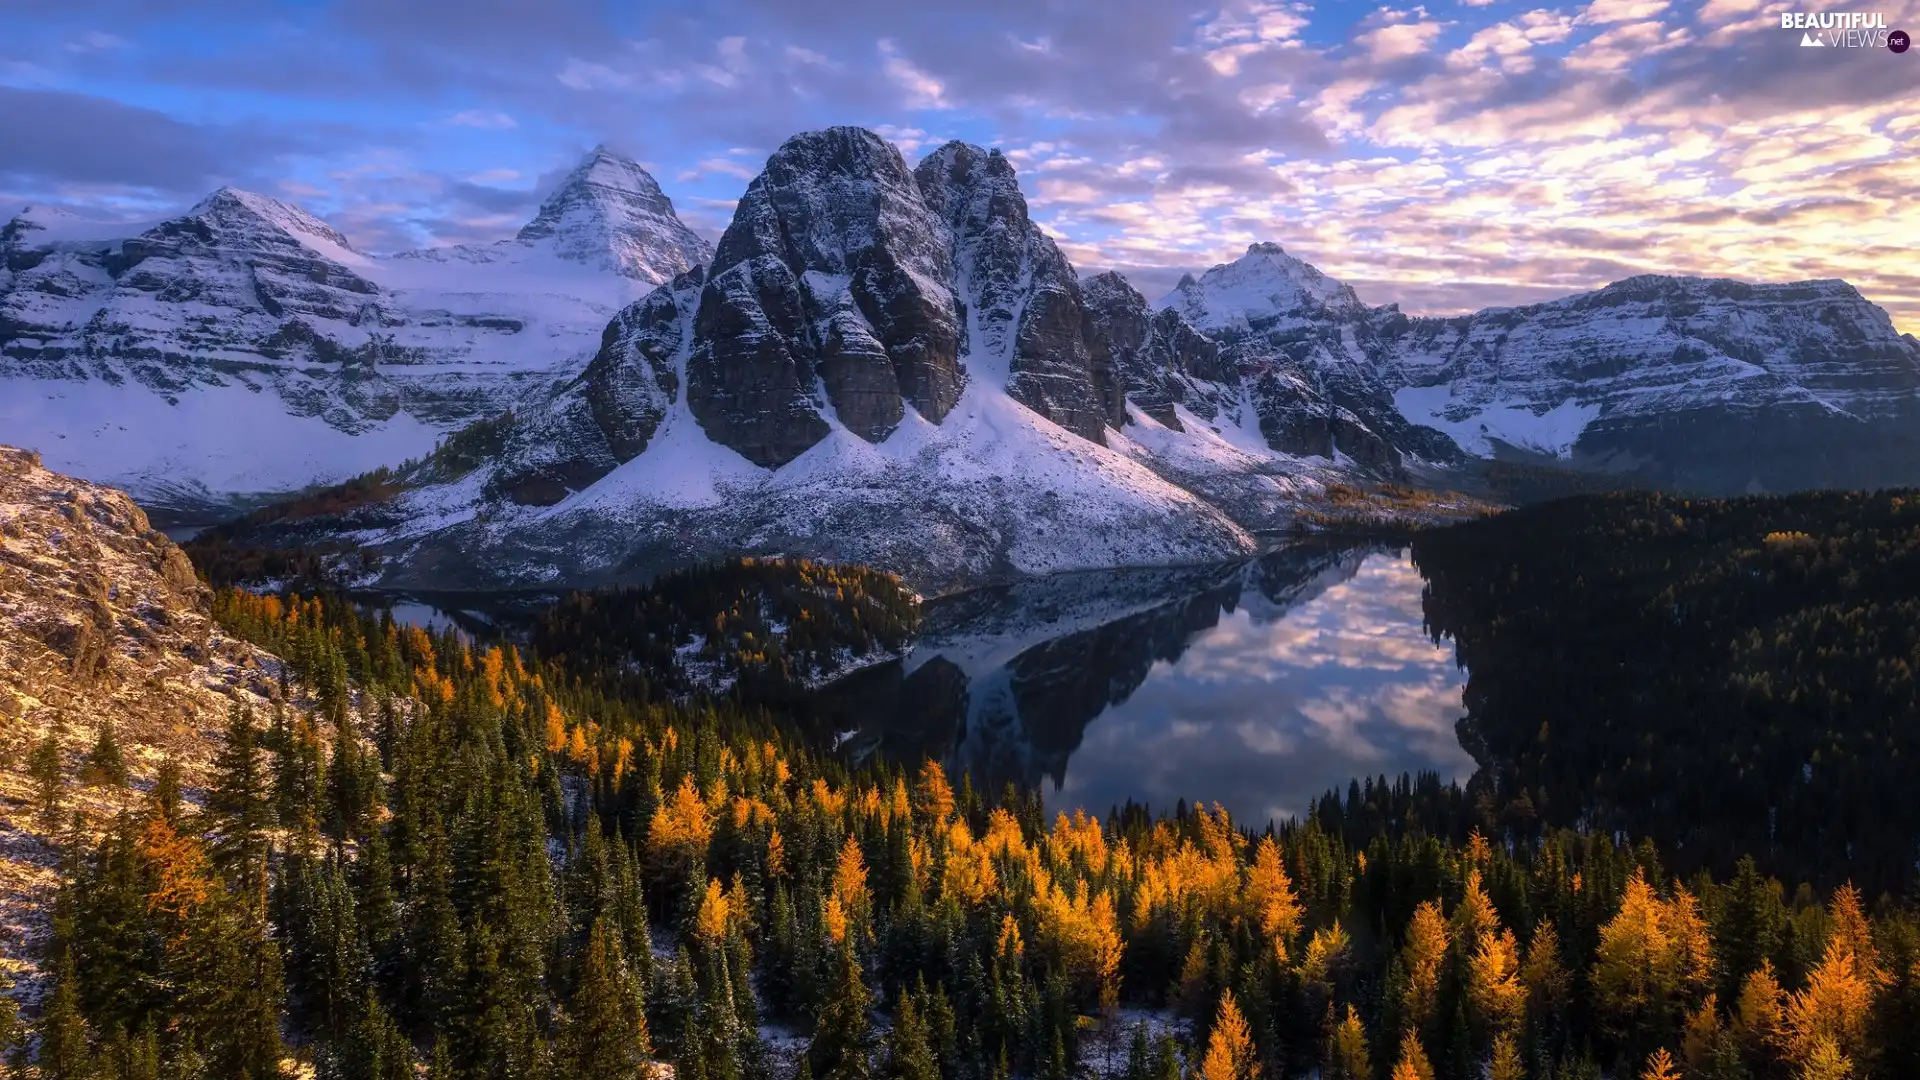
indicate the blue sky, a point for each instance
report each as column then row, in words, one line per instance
column 1445, row 156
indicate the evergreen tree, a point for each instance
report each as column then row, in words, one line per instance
column 64, row 1053
column 908, row 1054
column 49, row 782
column 605, row 1032
column 105, row 764
column 840, row 1045
column 240, row 799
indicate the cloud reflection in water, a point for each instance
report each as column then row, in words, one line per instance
column 1262, row 713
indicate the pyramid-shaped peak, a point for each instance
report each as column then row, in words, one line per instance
column 232, row 207
column 1264, row 283
column 604, row 167
column 610, row 213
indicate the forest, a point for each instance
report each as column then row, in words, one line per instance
column 1725, row 677
column 764, row 628
column 468, row 862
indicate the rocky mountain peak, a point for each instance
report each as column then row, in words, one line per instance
column 235, row 213
column 1022, row 293
column 1262, row 287
column 832, row 276
column 610, row 213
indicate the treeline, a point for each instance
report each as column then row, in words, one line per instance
column 1723, row 676
column 763, row 627
column 482, row 866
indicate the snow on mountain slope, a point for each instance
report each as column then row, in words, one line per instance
column 1706, row 384
column 1702, row 384
column 246, row 348
column 1303, row 346
column 883, row 366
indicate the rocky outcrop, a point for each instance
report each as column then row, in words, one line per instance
column 102, row 625
column 1022, row 295
column 1154, row 359
column 609, row 414
column 833, row 278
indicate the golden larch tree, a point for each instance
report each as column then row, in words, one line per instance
column 1413, row 1063
column 1347, row 1056
column 1230, row 1054
column 1660, row 1066
column 1422, row 957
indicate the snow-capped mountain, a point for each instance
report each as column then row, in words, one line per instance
column 609, row 214
column 1700, row 384
column 883, row 365
column 1706, row 385
column 246, row 349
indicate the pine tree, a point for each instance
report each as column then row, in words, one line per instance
column 49, row 782
column 841, row 1042
column 908, row 1055
column 164, row 798
column 605, row 1033
column 105, row 764
column 64, row 1054
column 239, row 799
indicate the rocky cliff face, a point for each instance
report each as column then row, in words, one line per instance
column 1156, row 359
column 245, row 348
column 1022, row 297
column 834, row 280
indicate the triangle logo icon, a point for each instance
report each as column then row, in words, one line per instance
column 1808, row 41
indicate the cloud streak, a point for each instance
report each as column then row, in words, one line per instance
column 1444, row 156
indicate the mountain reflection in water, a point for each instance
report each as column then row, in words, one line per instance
column 1257, row 686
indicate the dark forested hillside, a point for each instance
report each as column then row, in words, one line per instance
column 1725, row 677
column 764, row 627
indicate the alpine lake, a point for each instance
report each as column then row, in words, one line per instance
column 1258, row 686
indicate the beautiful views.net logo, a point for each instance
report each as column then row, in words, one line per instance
column 1844, row 30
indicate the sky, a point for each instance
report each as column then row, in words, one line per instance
column 1446, row 156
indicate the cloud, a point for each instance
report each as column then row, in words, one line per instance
column 480, row 118
column 1443, row 158
column 58, row 137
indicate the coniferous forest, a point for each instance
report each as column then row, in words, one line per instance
column 1726, row 677
column 467, row 861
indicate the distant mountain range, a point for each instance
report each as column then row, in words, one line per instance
column 878, row 362
column 245, row 350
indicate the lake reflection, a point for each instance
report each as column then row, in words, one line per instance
column 1258, row 687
